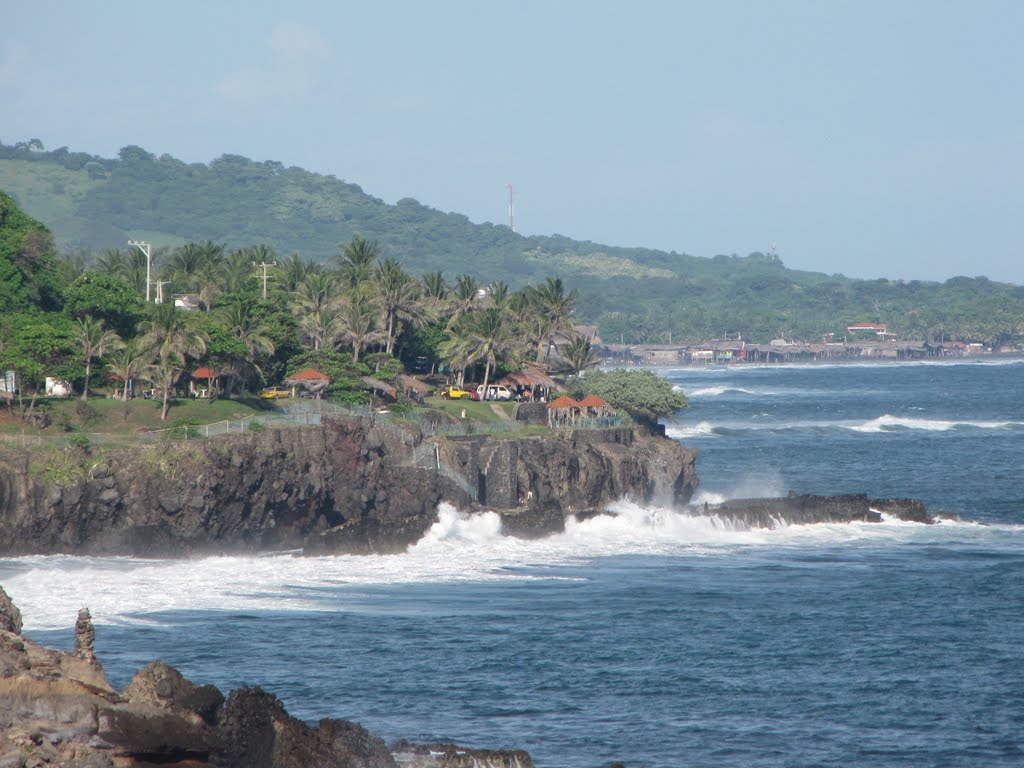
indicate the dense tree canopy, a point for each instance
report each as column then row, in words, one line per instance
column 635, row 295
column 643, row 393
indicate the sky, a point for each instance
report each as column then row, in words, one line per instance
column 868, row 138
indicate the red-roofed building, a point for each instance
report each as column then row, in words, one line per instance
column 595, row 407
column 563, row 412
column 310, row 379
column 207, row 374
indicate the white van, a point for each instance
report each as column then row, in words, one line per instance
column 494, row 392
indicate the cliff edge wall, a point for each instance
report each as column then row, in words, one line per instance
column 352, row 484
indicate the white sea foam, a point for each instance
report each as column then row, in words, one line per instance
column 458, row 548
column 682, row 431
column 888, row 422
column 877, row 425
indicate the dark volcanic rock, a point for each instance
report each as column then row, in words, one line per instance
column 808, row 509
column 257, row 732
column 352, row 484
column 453, row 756
column 10, row 616
column 85, row 636
column 162, row 686
column 57, row 709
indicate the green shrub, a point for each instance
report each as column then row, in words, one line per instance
column 85, row 413
column 185, row 429
column 80, row 441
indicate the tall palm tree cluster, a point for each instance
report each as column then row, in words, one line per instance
column 359, row 303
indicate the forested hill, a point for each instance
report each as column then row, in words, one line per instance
column 92, row 204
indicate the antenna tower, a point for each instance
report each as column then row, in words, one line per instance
column 511, row 208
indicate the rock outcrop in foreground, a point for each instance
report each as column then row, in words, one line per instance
column 349, row 485
column 57, row 709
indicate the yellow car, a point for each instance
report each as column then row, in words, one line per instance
column 272, row 393
column 454, row 393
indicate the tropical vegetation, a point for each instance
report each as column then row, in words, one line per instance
column 202, row 220
column 252, row 319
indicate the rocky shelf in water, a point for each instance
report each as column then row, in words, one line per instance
column 57, row 709
column 806, row 509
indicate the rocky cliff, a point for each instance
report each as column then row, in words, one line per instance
column 352, row 484
column 57, row 709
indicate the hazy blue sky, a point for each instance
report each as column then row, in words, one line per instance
column 868, row 138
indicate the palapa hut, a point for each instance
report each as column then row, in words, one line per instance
column 310, row 380
column 203, row 374
column 413, row 388
column 595, row 408
column 531, row 382
column 381, row 389
column 563, row 412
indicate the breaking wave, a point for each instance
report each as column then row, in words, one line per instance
column 886, row 423
column 458, row 548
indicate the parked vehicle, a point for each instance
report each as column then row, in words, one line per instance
column 272, row 393
column 494, row 392
column 454, row 393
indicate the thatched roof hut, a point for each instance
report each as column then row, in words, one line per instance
column 531, row 379
column 309, row 379
column 413, row 388
column 380, row 388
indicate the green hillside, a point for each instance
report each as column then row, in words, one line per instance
column 636, row 295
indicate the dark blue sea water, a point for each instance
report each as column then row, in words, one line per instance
column 650, row 637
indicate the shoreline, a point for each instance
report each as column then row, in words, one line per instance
column 994, row 357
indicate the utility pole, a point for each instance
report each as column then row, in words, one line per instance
column 147, row 249
column 160, row 290
column 511, row 208
column 264, row 267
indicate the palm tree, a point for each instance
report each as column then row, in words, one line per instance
column 435, row 286
column 399, row 298
column 464, row 297
column 184, row 264
column 168, row 334
column 499, row 293
column 553, row 309
column 321, row 327
column 291, row 271
column 356, row 260
column 130, row 266
column 164, row 374
column 317, row 291
column 207, row 281
column 579, row 355
column 127, row 363
column 481, row 335
column 357, row 321
column 94, row 342
column 111, row 261
column 315, row 303
column 238, row 318
column 236, row 270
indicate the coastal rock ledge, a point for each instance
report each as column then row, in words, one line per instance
column 349, row 485
column 57, row 709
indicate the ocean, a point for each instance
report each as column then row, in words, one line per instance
column 648, row 636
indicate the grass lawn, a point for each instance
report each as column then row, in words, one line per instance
column 475, row 410
column 114, row 417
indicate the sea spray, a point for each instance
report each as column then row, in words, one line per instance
column 458, row 548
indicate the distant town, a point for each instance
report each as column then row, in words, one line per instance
column 865, row 341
